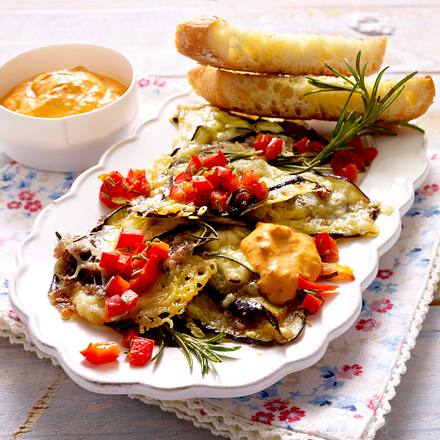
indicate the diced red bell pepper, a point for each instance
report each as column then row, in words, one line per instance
column 216, row 159
column 116, row 286
column 141, row 351
column 178, row 193
column 129, row 239
column 368, row 154
column 262, row 141
column 356, row 143
column 190, row 192
column 158, row 250
column 194, row 165
column 138, row 261
column 113, row 262
column 117, row 190
column 114, row 307
column 274, row 148
column 228, row 179
column 202, row 185
column 350, row 172
column 311, row 303
column 336, row 272
column 219, row 201
column 137, row 182
column 128, row 336
column 302, row 283
column 327, row 247
column 213, row 178
column 186, row 176
column 146, row 277
column 130, row 298
column 303, row 145
column 101, row 352
column 253, row 184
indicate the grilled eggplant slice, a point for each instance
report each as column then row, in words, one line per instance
column 247, row 320
column 343, row 211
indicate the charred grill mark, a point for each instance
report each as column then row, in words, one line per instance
column 292, row 181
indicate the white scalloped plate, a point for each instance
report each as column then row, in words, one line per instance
column 400, row 167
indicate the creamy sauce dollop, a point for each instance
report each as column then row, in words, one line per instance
column 279, row 254
column 63, row 93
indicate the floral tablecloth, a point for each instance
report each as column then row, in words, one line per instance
column 346, row 394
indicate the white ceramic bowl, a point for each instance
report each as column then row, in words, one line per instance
column 71, row 143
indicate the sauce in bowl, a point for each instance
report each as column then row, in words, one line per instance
column 63, row 93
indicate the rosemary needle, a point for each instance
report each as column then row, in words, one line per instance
column 204, row 350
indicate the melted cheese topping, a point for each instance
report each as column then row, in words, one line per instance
column 279, row 255
column 63, row 93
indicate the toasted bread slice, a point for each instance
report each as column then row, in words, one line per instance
column 211, row 41
column 283, row 96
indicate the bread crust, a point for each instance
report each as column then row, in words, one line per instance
column 283, row 96
column 212, row 41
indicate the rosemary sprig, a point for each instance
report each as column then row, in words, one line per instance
column 205, row 350
column 352, row 124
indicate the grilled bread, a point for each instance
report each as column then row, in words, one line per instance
column 211, row 41
column 283, row 96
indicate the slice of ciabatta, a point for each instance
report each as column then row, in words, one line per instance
column 211, row 41
column 283, row 96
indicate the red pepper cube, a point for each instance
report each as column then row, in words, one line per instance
column 228, row 179
column 109, row 261
column 274, row 148
column 213, row 178
column 178, row 194
column 262, row 141
column 327, row 247
column 158, row 250
column 302, row 283
column 129, row 239
column 368, row 154
column 202, row 185
column 219, row 201
column 311, row 303
column 190, row 192
column 303, row 145
column 137, row 182
column 130, row 298
column 128, row 336
column 148, row 275
column 350, row 172
column 116, row 286
column 216, row 159
column 194, row 165
column 141, row 351
column 115, row 307
column 101, row 352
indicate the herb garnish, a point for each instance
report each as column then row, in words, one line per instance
column 351, row 124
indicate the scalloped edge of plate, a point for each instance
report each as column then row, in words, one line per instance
column 191, row 389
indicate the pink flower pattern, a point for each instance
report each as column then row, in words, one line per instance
column 384, row 274
column 33, row 206
column 26, row 195
column 367, row 325
column 276, row 405
column 13, row 204
column 350, row 371
column 381, row 305
column 429, row 189
column 263, row 417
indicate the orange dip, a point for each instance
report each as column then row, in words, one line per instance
column 63, row 93
column 279, row 254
